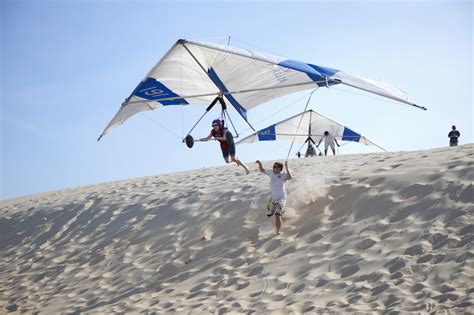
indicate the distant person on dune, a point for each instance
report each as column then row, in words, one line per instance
column 276, row 204
column 453, row 136
column 329, row 141
column 221, row 134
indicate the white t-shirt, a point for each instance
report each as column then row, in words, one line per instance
column 328, row 141
column 277, row 185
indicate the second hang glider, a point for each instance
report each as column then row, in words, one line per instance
column 306, row 127
column 193, row 72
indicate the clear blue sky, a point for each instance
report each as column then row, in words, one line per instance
column 66, row 66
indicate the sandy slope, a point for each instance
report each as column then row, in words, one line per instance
column 373, row 232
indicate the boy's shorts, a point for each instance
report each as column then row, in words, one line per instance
column 276, row 207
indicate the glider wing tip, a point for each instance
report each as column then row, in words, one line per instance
column 419, row 106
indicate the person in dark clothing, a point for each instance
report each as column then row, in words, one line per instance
column 219, row 133
column 453, row 136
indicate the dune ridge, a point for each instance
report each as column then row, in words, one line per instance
column 385, row 232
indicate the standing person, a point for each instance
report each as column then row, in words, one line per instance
column 276, row 204
column 219, row 132
column 328, row 141
column 453, row 136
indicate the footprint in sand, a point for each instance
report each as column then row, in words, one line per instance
column 298, row 288
column 379, row 289
column 424, row 259
column 417, row 287
column 168, row 305
column 321, row 282
column 370, row 278
column 438, row 258
column 353, row 299
column 242, row 286
column 289, row 250
column 417, row 190
column 467, row 195
column 438, row 240
column 377, row 181
column 272, row 245
column 315, row 237
column 395, row 264
column 238, row 262
column 396, row 275
column 168, row 291
column 347, row 271
column 343, row 179
column 365, row 244
column 308, row 307
column 277, row 297
column 415, row 250
column 255, row 271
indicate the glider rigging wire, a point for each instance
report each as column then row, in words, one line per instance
column 299, row 124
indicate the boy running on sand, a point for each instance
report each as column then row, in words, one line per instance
column 276, row 204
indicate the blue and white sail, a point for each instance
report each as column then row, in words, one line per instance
column 304, row 126
column 193, row 72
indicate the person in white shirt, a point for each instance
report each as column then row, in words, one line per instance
column 329, row 141
column 276, row 204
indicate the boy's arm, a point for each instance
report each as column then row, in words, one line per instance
column 336, row 142
column 260, row 167
column 288, row 172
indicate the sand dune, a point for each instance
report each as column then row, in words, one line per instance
column 374, row 232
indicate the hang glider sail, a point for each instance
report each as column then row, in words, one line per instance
column 193, row 72
column 306, row 127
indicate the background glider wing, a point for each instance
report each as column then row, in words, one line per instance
column 312, row 125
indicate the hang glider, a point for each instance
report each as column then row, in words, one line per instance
column 193, row 72
column 306, row 127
